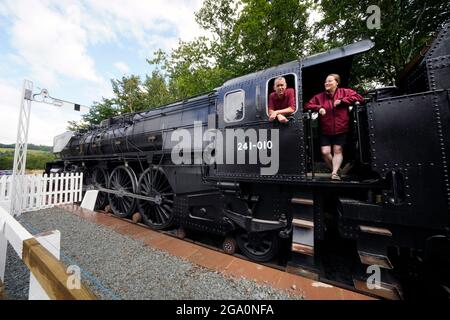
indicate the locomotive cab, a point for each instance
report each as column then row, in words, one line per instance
column 356, row 151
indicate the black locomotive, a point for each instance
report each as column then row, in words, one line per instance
column 392, row 206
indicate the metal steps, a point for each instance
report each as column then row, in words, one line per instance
column 302, row 247
column 301, row 223
column 385, row 290
column 372, row 247
column 308, row 202
column 369, row 258
column 303, row 237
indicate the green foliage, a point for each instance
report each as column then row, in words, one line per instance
column 189, row 70
column 271, row 33
column 29, row 147
column 406, row 26
column 130, row 95
column 219, row 18
column 36, row 159
column 251, row 35
column 157, row 92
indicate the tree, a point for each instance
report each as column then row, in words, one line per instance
column 190, row 69
column 156, row 91
column 129, row 96
column 250, row 35
column 405, row 28
column 272, row 32
column 99, row 111
column 219, row 18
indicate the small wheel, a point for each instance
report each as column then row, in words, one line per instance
column 108, row 208
column 136, row 217
column 229, row 245
column 181, row 233
column 258, row 246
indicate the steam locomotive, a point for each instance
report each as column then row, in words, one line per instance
column 260, row 184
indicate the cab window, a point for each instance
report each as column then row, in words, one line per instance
column 234, row 108
column 291, row 82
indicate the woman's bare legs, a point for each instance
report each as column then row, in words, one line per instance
column 327, row 157
column 337, row 158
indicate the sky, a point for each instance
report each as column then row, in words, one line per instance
column 74, row 48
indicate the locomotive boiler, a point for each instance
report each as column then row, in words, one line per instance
column 266, row 189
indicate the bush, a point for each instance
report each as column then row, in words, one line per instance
column 35, row 159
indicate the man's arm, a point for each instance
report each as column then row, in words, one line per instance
column 272, row 114
column 285, row 111
column 290, row 108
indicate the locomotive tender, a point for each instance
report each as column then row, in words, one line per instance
column 393, row 203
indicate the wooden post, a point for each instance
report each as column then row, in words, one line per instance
column 3, row 248
column 52, row 242
column 2, row 290
column 51, row 273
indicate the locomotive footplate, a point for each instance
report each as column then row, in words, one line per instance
column 323, row 182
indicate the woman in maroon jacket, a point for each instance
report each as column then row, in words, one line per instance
column 332, row 105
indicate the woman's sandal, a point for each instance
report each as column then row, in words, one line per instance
column 335, row 176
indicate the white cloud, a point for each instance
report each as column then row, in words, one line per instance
column 122, row 67
column 52, row 37
column 46, row 121
column 154, row 24
column 9, row 107
column 50, row 41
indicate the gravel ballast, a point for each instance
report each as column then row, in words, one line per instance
column 115, row 266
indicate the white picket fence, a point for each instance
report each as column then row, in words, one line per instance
column 44, row 191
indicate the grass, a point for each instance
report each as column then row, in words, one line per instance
column 7, row 150
column 36, row 159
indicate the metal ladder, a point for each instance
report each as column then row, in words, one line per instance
column 302, row 247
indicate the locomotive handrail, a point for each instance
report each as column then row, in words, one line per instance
column 358, row 129
column 310, row 116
